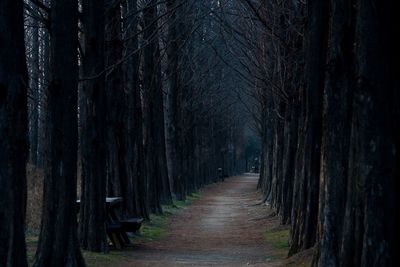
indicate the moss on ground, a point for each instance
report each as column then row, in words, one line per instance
column 180, row 204
column 31, row 244
column 278, row 238
column 153, row 229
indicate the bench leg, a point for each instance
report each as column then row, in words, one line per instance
column 118, row 243
column 115, row 240
column 125, row 238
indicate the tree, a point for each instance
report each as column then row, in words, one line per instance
column 337, row 115
column 92, row 232
column 370, row 231
column 156, row 164
column 116, row 103
column 305, row 213
column 134, row 119
column 13, row 134
column 175, row 105
column 58, row 243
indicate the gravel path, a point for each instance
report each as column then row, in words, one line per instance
column 224, row 227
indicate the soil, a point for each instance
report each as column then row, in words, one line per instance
column 226, row 226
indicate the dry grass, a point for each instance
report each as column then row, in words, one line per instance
column 35, row 179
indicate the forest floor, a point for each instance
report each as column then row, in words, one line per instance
column 223, row 226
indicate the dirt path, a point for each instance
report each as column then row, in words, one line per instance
column 225, row 227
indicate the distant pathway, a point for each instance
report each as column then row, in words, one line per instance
column 223, row 228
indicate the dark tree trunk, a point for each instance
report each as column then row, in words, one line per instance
column 336, row 131
column 159, row 130
column 135, row 153
column 290, row 134
column 277, row 164
column 118, row 183
column 269, row 150
column 156, row 165
column 304, row 227
column 263, row 140
column 92, row 232
column 13, row 134
column 58, row 243
column 298, row 185
column 370, row 232
column 294, row 82
column 175, row 106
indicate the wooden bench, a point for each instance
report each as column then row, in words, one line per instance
column 117, row 229
column 131, row 225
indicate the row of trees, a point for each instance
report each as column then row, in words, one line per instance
column 131, row 95
column 325, row 85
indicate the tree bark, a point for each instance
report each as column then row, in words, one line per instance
column 92, row 232
column 13, row 134
column 290, row 134
column 120, row 179
column 156, row 165
column 135, row 153
column 337, row 113
column 306, row 214
column 58, row 243
column 175, row 105
column 371, row 222
column 117, row 181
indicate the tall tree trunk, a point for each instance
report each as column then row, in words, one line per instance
column 269, row 150
column 92, row 232
column 293, row 85
column 13, row 134
column 175, row 105
column 290, row 134
column 336, row 130
column 114, row 95
column 58, row 243
column 304, row 230
column 159, row 120
column 116, row 171
column 156, row 165
column 370, row 232
column 135, row 153
column 278, row 158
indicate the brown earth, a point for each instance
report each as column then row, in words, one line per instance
column 225, row 227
